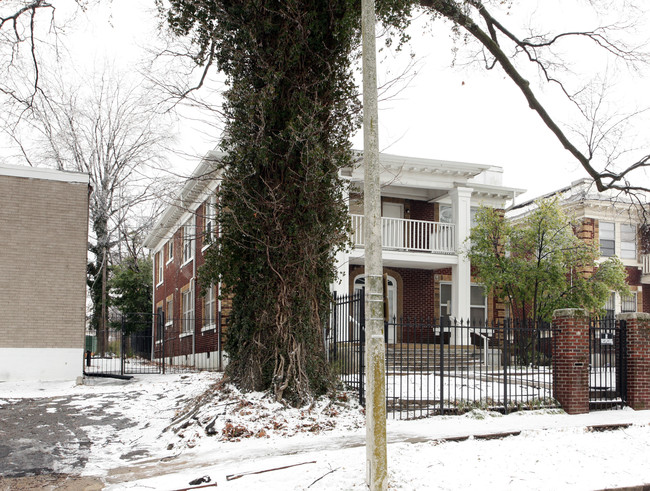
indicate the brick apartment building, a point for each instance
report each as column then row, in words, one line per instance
column 614, row 224
column 43, row 239
column 427, row 207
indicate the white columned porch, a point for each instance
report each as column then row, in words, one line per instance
column 461, row 278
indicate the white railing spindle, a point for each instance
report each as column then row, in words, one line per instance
column 409, row 235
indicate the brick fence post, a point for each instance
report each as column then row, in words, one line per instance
column 638, row 359
column 571, row 360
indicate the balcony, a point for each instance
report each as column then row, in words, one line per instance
column 645, row 268
column 399, row 234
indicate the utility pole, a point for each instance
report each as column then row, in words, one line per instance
column 376, row 461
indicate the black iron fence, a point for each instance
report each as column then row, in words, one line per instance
column 607, row 363
column 438, row 367
column 345, row 340
column 138, row 343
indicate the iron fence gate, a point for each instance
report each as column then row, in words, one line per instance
column 125, row 347
column 345, row 341
column 607, row 363
column 140, row 343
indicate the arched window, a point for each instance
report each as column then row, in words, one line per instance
column 360, row 282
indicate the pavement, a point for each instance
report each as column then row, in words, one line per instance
column 45, row 442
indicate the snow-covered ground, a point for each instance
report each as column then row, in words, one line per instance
column 184, row 433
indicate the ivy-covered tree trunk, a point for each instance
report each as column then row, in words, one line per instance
column 291, row 108
column 282, row 214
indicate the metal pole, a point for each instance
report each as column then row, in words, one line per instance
column 376, row 460
column 164, row 334
column 122, row 347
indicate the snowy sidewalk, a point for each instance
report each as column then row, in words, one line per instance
column 322, row 447
column 551, row 451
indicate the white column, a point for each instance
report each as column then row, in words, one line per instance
column 461, row 278
column 341, row 284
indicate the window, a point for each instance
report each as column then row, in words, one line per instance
column 170, row 250
column 610, row 306
column 447, row 215
column 478, row 304
column 159, row 263
column 159, row 331
column 209, row 302
column 187, row 307
column 188, row 240
column 607, row 239
column 209, row 219
column 628, row 302
column 169, row 319
column 628, row 241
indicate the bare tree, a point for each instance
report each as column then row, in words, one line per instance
column 107, row 129
column 594, row 147
column 26, row 28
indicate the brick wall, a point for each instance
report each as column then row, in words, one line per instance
column 638, row 359
column 571, row 360
column 421, row 210
column 43, row 239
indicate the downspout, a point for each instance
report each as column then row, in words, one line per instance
column 153, row 308
column 219, row 355
column 193, row 285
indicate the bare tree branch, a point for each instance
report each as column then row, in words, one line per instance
column 460, row 13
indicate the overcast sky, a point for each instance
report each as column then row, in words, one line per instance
column 456, row 113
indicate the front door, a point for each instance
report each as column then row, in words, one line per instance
column 392, row 230
column 360, row 282
column 445, row 303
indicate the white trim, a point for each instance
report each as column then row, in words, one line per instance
column 160, row 270
column 175, row 214
column 210, row 327
column 184, row 334
column 42, row 173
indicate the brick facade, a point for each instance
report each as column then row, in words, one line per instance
column 571, row 360
column 638, row 359
column 179, row 276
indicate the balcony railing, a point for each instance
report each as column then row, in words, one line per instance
column 645, row 263
column 409, row 235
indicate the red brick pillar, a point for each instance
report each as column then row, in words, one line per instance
column 638, row 359
column 571, row 360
